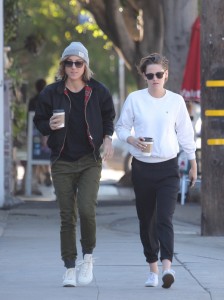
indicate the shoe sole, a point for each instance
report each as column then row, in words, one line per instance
column 168, row 280
column 69, row 285
column 147, row 285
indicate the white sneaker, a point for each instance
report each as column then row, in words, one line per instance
column 86, row 270
column 168, row 278
column 152, row 280
column 69, row 278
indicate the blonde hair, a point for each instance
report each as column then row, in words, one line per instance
column 61, row 75
column 152, row 59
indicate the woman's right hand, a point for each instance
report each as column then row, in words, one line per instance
column 55, row 122
column 137, row 142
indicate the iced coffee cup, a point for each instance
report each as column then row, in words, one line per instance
column 147, row 151
column 60, row 113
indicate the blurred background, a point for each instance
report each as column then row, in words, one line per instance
column 117, row 34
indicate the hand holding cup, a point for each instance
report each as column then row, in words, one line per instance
column 57, row 120
column 148, row 144
column 145, row 144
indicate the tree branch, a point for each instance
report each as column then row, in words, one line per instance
column 110, row 19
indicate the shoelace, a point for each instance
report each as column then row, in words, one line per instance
column 85, row 265
column 69, row 274
column 85, row 268
column 152, row 276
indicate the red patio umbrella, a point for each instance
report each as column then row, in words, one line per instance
column 190, row 89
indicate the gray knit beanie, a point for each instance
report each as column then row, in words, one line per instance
column 77, row 49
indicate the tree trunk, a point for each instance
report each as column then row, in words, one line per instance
column 212, row 69
column 179, row 16
column 138, row 28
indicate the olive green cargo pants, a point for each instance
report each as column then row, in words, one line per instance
column 76, row 187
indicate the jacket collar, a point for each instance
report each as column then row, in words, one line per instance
column 61, row 85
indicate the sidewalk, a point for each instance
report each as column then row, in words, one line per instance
column 30, row 256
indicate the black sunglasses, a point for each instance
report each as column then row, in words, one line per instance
column 69, row 63
column 150, row 76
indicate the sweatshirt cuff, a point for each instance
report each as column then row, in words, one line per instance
column 191, row 156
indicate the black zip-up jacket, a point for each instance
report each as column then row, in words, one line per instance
column 99, row 114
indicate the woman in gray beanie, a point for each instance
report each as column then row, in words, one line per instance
column 82, row 121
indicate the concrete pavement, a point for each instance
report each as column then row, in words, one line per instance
column 30, row 265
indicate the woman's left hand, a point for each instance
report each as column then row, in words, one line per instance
column 108, row 149
column 193, row 172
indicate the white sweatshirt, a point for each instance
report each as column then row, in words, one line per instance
column 165, row 119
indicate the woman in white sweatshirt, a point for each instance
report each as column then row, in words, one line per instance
column 162, row 115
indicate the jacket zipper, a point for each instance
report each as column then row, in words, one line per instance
column 88, row 93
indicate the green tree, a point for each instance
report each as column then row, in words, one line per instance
column 37, row 32
column 45, row 30
column 12, row 14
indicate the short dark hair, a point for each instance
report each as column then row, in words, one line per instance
column 154, row 58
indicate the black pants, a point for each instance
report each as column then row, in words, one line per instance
column 156, row 187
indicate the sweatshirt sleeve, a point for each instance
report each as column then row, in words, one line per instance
column 126, row 120
column 185, row 131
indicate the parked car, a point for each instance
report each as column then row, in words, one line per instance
column 122, row 158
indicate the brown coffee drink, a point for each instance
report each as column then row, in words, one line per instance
column 147, row 151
